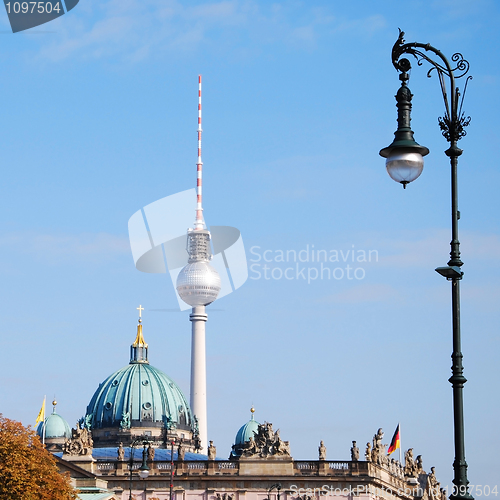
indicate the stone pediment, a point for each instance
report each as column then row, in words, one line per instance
column 74, row 470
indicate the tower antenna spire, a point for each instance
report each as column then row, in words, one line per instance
column 199, row 167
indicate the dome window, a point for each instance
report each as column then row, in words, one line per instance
column 108, row 405
column 115, row 382
column 145, row 382
column 147, row 406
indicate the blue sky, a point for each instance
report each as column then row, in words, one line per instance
column 99, row 119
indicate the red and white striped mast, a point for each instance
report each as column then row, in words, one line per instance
column 199, row 167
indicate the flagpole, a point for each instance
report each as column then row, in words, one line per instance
column 395, row 442
column 43, row 424
column 400, row 446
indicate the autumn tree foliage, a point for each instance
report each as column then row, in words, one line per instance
column 27, row 470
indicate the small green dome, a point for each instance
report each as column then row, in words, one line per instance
column 55, row 427
column 246, row 432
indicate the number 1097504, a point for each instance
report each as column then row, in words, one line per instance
column 33, row 7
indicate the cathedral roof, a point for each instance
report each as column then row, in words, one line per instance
column 138, row 394
column 55, row 426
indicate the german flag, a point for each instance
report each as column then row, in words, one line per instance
column 395, row 442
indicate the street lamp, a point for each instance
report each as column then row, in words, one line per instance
column 172, row 470
column 405, row 160
column 404, row 164
column 143, row 469
column 276, row 487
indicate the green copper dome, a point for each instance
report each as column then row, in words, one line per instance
column 55, row 426
column 246, row 432
column 138, row 395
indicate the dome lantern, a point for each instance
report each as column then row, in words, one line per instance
column 139, row 349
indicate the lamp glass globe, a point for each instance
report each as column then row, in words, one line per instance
column 404, row 166
column 143, row 473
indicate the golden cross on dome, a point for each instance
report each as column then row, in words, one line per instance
column 140, row 309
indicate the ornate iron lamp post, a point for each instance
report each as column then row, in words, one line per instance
column 143, row 469
column 172, row 470
column 277, row 487
column 404, row 164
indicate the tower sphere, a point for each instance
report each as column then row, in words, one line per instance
column 198, row 284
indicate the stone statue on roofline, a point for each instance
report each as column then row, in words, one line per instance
column 120, row 452
column 212, row 451
column 354, row 452
column 368, row 452
column 180, row 452
column 410, row 465
column 322, row 451
column 419, row 465
column 433, row 485
column 378, row 450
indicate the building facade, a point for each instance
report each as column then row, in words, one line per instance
column 139, row 440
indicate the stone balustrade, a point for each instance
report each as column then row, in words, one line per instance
column 106, row 466
column 235, row 468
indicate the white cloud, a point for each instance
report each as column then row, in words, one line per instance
column 485, row 297
column 369, row 25
column 423, row 250
column 304, row 34
column 462, row 8
column 365, row 292
column 132, row 30
column 52, row 248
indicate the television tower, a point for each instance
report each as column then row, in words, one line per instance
column 198, row 284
